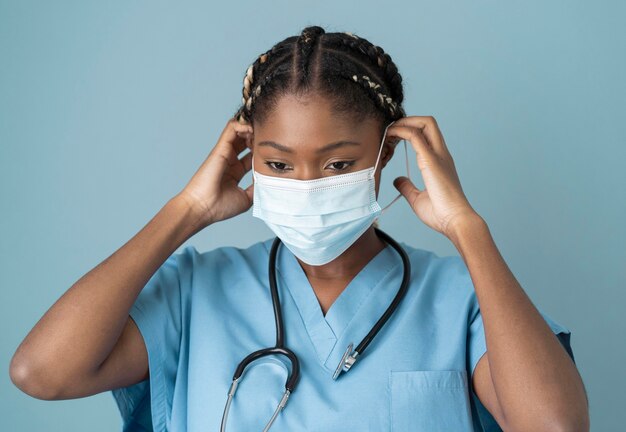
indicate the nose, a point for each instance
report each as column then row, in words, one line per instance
column 309, row 173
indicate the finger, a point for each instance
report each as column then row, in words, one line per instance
column 250, row 192
column 229, row 139
column 243, row 135
column 238, row 145
column 417, row 140
column 246, row 163
column 429, row 128
column 408, row 190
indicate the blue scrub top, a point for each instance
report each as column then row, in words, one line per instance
column 201, row 313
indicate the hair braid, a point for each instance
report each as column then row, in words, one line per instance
column 377, row 93
column 259, row 68
column 357, row 77
column 306, row 44
column 376, row 56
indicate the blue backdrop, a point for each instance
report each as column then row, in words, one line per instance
column 108, row 108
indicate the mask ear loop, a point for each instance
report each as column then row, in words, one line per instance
column 406, row 155
column 254, row 176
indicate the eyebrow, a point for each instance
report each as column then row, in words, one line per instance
column 326, row 148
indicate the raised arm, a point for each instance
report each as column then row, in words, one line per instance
column 75, row 349
column 86, row 343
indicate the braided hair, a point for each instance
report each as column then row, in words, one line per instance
column 358, row 78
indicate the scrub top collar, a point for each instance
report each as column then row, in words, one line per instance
column 352, row 314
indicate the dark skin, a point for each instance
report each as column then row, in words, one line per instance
column 528, row 382
column 86, row 343
column 297, row 158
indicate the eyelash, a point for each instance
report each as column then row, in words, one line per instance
column 281, row 170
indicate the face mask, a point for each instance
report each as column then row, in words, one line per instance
column 319, row 219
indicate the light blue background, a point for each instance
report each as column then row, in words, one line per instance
column 108, row 108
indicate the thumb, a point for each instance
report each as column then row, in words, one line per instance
column 406, row 187
column 250, row 193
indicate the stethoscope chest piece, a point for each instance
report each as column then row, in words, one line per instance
column 349, row 356
column 347, row 360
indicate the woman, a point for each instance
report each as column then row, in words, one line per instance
column 465, row 349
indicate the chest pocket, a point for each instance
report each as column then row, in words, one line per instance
column 430, row 400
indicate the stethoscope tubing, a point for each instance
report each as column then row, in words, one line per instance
column 281, row 349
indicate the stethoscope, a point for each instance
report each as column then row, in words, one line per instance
column 349, row 357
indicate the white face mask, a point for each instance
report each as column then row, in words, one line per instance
column 319, row 219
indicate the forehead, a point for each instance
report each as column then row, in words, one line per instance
column 309, row 121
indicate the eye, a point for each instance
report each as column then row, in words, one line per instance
column 341, row 165
column 276, row 166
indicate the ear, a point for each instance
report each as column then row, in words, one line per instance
column 387, row 154
column 249, row 140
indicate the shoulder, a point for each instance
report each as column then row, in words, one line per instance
column 223, row 258
column 445, row 272
column 222, row 255
column 440, row 284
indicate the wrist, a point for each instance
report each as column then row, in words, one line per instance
column 464, row 225
column 191, row 215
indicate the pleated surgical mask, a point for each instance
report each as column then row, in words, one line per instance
column 319, row 219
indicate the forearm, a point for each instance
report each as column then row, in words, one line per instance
column 534, row 378
column 81, row 328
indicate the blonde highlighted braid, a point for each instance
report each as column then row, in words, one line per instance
column 327, row 63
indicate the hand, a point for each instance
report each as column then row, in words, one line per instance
column 442, row 204
column 213, row 191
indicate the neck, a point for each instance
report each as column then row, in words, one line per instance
column 350, row 262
